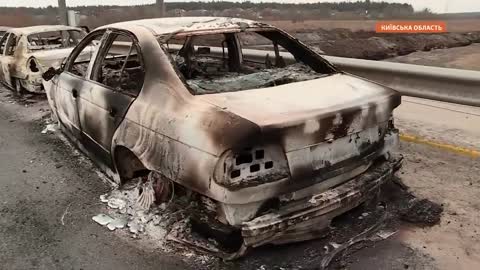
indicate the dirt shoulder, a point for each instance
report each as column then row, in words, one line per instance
column 374, row 46
column 467, row 57
column 453, row 25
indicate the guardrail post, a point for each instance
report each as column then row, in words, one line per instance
column 62, row 12
column 161, row 8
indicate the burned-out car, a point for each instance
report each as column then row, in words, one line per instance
column 240, row 113
column 25, row 53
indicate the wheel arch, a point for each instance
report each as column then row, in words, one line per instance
column 127, row 164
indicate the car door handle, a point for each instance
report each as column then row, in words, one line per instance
column 74, row 93
column 112, row 112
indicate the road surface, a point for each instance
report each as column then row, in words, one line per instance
column 49, row 193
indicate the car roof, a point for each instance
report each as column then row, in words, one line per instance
column 40, row 28
column 166, row 26
column 4, row 28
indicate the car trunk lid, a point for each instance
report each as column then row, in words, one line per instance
column 304, row 114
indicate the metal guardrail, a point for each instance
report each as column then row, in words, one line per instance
column 442, row 84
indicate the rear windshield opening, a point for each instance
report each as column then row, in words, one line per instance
column 54, row 39
column 228, row 62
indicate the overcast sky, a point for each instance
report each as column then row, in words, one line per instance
column 436, row 5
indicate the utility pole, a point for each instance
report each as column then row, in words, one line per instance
column 160, row 8
column 62, row 12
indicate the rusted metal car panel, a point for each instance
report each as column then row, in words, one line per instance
column 25, row 53
column 280, row 148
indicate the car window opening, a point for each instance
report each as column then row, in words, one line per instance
column 54, row 40
column 217, row 63
column 121, row 69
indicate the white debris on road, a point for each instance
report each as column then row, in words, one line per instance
column 52, row 128
column 151, row 226
column 125, row 211
column 102, row 219
column 111, row 223
column 385, row 234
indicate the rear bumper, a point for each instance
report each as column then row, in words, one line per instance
column 308, row 218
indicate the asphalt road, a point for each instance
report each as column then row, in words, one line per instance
column 40, row 181
column 49, row 193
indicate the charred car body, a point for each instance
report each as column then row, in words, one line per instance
column 25, row 53
column 280, row 145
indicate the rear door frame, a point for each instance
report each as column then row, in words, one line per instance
column 62, row 95
column 97, row 136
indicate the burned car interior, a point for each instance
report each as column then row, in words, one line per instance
column 119, row 68
column 216, row 63
column 121, row 71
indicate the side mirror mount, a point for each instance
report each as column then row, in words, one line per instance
column 50, row 73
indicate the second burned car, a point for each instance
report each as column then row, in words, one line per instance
column 27, row 52
column 236, row 111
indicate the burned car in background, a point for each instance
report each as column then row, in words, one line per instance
column 25, row 53
column 3, row 30
column 278, row 145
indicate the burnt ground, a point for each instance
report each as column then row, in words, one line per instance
column 377, row 46
column 461, row 57
column 49, row 193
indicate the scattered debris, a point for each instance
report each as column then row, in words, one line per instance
column 335, row 245
column 111, row 223
column 64, row 214
column 422, row 212
column 50, row 128
column 102, row 219
column 364, row 236
column 385, row 234
column 130, row 208
column 118, row 223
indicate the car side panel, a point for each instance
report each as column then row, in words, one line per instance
column 170, row 131
column 100, row 111
column 66, row 102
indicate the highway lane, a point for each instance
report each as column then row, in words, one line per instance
column 48, row 196
column 440, row 122
column 43, row 180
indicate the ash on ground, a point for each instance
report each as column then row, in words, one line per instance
column 153, row 223
column 355, row 230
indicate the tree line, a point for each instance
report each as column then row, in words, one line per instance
column 94, row 16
